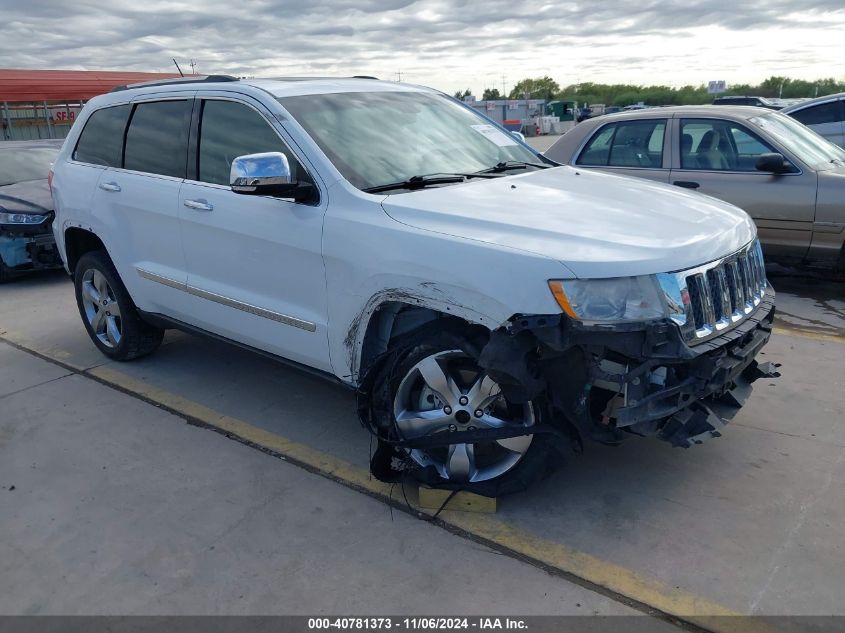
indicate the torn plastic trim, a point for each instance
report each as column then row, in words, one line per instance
column 447, row 302
column 28, row 250
column 391, row 461
column 696, row 389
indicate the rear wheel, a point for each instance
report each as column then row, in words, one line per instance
column 107, row 310
column 435, row 387
column 5, row 273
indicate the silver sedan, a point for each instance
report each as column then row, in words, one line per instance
column 789, row 179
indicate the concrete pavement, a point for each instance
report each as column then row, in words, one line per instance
column 751, row 521
column 109, row 505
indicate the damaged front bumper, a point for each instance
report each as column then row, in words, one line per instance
column 28, row 248
column 614, row 381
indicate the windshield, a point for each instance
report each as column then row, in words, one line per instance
column 25, row 163
column 377, row 138
column 809, row 147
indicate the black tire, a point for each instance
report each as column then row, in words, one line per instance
column 137, row 338
column 5, row 273
column 541, row 456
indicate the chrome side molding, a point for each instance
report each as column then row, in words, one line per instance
column 228, row 301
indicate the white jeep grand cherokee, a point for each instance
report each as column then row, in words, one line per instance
column 489, row 307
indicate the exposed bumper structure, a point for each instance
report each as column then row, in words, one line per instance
column 24, row 248
column 611, row 382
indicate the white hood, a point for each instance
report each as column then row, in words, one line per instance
column 597, row 225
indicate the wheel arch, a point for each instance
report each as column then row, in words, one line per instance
column 390, row 318
column 77, row 242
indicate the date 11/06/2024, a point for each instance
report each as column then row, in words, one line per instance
column 416, row 624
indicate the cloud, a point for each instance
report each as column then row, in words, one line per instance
column 441, row 42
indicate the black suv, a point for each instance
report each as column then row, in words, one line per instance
column 761, row 102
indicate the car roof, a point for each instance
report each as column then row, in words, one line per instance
column 728, row 111
column 811, row 102
column 306, row 86
column 276, row 86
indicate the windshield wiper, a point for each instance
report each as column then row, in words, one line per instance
column 418, row 182
column 511, row 164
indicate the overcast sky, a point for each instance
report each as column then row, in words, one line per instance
column 446, row 44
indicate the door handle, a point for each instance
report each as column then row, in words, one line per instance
column 686, row 184
column 109, row 186
column 199, row 205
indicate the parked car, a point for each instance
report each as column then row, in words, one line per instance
column 788, row 178
column 488, row 306
column 760, row 102
column 825, row 116
column 583, row 114
column 26, row 210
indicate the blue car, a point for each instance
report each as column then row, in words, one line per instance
column 26, row 208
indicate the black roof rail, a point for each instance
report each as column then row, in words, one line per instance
column 190, row 79
column 364, row 77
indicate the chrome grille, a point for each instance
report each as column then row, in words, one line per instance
column 706, row 300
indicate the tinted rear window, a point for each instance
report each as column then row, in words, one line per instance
column 156, row 141
column 101, row 140
column 817, row 115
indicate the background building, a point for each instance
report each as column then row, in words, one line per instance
column 38, row 104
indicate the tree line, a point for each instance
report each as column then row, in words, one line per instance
column 626, row 94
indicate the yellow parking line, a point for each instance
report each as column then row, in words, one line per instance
column 484, row 528
column 816, row 336
column 626, row 582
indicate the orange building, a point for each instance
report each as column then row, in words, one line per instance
column 44, row 103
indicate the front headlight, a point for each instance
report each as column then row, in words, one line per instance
column 610, row 300
column 21, row 218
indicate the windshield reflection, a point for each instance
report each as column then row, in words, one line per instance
column 377, row 138
column 814, row 150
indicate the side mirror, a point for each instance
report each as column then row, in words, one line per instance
column 266, row 174
column 774, row 163
column 519, row 136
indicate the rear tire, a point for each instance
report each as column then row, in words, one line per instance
column 840, row 265
column 5, row 273
column 108, row 312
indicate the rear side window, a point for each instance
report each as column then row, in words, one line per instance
column 229, row 130
column 101, row 141
column 156, row 141
column 626, row 144
column 822, row 113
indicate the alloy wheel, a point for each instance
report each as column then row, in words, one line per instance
column 101, row 308
column 447, row 392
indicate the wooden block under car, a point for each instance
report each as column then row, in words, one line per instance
column 433, row 498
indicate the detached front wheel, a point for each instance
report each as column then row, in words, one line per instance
column 107, row 310
column 435, row 387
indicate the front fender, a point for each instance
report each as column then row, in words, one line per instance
column 462, row 303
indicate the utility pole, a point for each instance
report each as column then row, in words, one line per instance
column 504, row 92
column 193, row 67
column 399, row 73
